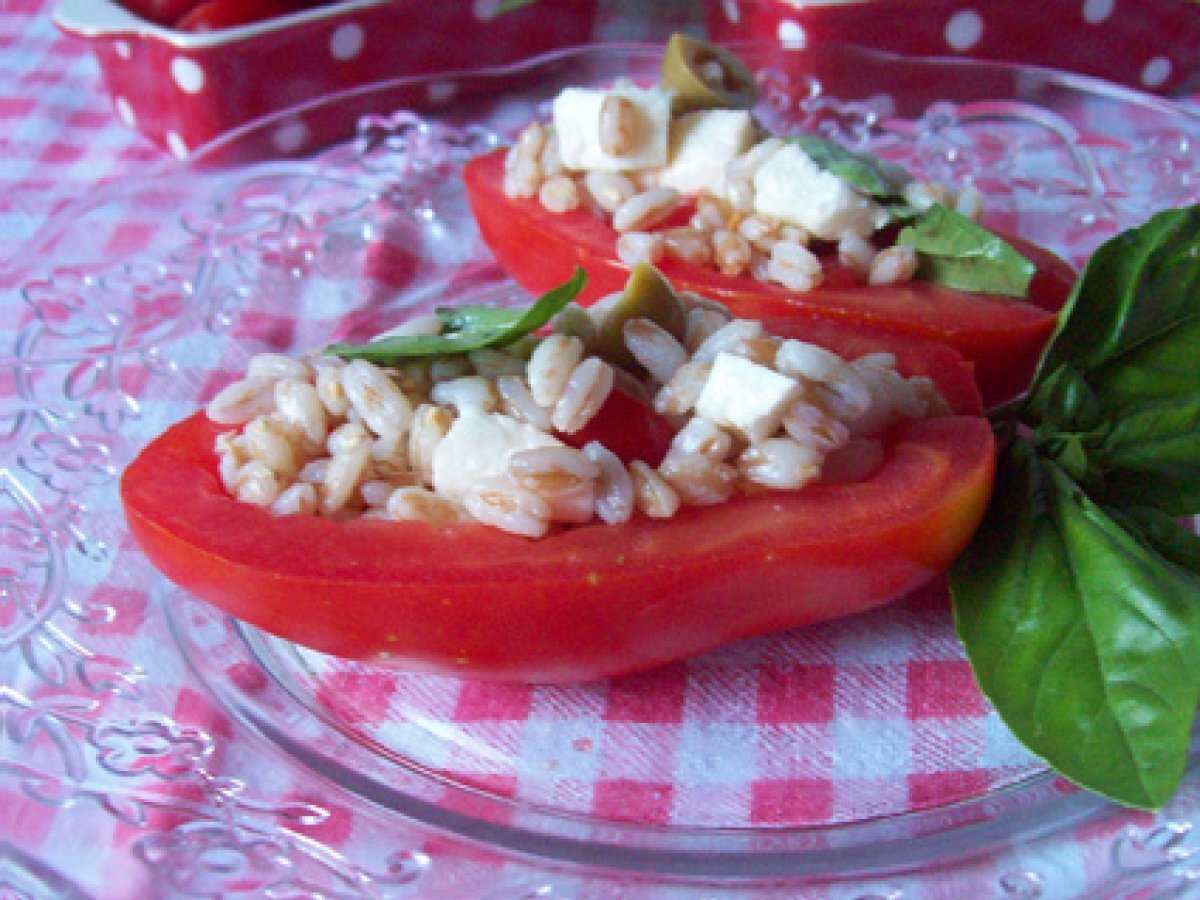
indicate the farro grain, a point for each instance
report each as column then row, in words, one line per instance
column 502, row 504
column 256, row 484
column 417, row 504
column 299, row 499
column 654, row 348
column 278, row 365
column 241, row 401
column 559, row 194
column 517, row 402
column 618, row 125
column 550, row 367
column 614, row 489
column 646, row 209
column 266, row 443
column 652, row 495
column 698, row 480
column 679, row 395
column 687, row 244
column 346, row 471
column 472, row 391
column 780, row 463
column 893, row 265
column 588, row 387
column 608, row 190
column 634, row 247
column 299, row 407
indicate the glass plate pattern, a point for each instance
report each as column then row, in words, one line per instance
column 854, row 759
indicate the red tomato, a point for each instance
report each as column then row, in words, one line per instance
column 1002, row 337
column 160, row 12
column 628, row 427
column 585, row 602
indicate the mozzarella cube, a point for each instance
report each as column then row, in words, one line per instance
column 577, row 125
column 791, row 187
column 702, row 144
column 749, row 398
column 478, row 446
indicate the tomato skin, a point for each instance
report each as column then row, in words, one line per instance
column 1002, row 337
column 586, row 602
column 212, row 15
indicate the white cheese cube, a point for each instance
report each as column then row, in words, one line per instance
column 478, row 446
column 791, row 187
column 577, row 125
column 749, row 398
column 702, row 144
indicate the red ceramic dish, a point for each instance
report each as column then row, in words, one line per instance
column 1148, row 44
column 182, row 89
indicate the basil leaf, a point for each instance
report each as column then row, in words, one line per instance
column 477, row 330
column 1137, row 289
column 872, row 176
column 957, row 253
column 1083, row 636
column 1170, row 540
column 477, row 318
column 1124, row 367
column 1152, row 455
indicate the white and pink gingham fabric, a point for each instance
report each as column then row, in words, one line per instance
column 874, row 715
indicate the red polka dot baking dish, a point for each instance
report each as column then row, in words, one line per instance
column 1149, row 44
column 182, row 88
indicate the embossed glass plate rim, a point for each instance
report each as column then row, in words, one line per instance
column 1088, row 805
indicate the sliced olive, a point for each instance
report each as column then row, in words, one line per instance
column 706, row 77
column 647, row 295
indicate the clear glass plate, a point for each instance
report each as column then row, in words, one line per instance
column 857, row 753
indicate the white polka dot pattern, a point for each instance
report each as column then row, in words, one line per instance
column 791, row 34
column 441, row 91
column 1156, row 71
column 125, row 112
column 964, row 29
column 290, row 136
column 176, row 145
column 1096, row 11
column 347, row 41
column 187, row 74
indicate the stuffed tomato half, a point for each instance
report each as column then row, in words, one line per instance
column 506, row 513
column 680, row 174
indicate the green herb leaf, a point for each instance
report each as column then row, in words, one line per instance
column 475, row 329
column 872, row 176
column 1136, row 290
column 1127, row 351
column 1082, row 635
column 956, row 252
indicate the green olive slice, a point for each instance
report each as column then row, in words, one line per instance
column 647, row 295
column 705, row 77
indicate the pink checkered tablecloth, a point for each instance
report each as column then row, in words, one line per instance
column 144, row 752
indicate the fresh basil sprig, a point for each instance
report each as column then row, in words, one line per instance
column 1078, row 601
column 953, row 251
column 468, row 328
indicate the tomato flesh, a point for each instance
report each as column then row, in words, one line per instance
column 585, row 602
column 1001, row 337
